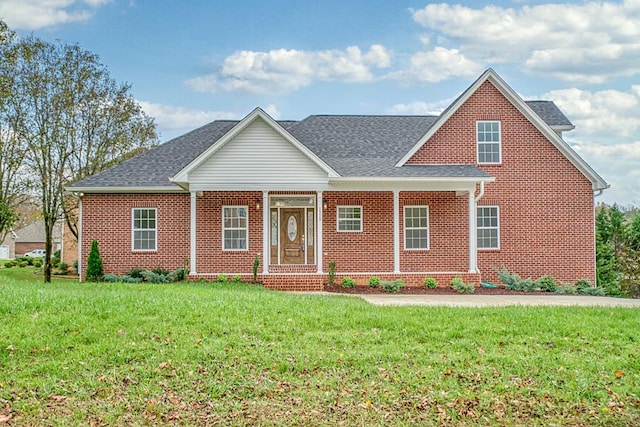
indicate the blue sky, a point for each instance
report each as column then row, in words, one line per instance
column 191, row 62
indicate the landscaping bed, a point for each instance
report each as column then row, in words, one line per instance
column 420, row 290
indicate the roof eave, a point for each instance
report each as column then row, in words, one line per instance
column 124, row 190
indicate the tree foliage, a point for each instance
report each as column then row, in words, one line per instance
column 68, row 120
column 617, row 251
column 95, row 270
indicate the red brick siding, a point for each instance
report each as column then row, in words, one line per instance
column 211, row 258
column 107, row 219
column 365, row 251
column 546, row 204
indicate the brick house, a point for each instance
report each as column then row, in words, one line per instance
column 490, row 183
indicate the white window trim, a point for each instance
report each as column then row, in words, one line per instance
column 350, row 219
column 246, row 208
column 404, row 227
column 134, row 229
column 485, row 228
column 499, row 142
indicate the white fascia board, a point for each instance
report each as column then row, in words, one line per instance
column 183, row 175
column 405, row 183
column 122, row 190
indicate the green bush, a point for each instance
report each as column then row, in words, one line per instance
column 430, row 283
column 332, row 272
column 63, row 266
column 153, row 277
column 27, row 259
column 462, row 288
column 221, row 278
column 547, row 284
column 374, row 282
column 136, row 272
column 237, row 278
column 55, row 262
column 392, row 286
column 508, row 279
column 161, row 271
column 566, row 288
column 585, row 287
column 179, row 274
column 110, row 278
column 256, row 264
column 37, row 263
column 23, row 264
column 348, row 282
column 10, row 264
column 527, row 285
column 94, row 264
column 75, row 267
column 122, row 279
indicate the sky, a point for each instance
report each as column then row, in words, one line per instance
column 191, row 62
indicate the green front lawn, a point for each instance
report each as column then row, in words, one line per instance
column 235, row 354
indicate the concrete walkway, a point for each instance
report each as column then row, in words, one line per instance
column 465, row 300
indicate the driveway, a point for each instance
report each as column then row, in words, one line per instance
column 464, row 300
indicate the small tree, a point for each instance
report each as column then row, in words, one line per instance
column 94, row 264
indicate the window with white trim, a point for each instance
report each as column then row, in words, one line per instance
column 416, row 227
column 349, row 218
column 144, row 229
column 235, row 228
column 488, row 230
column 489, row 142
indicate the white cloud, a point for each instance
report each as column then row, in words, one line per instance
column 617, row 164
column 419, row 108
column 35, row 14
column 174, row 120
column 585, row 42
column 439, row 64
column 286, row 70
column 602, row 114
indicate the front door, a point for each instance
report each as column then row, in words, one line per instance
column 292, row 241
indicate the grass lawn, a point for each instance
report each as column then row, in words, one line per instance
column 235, row 354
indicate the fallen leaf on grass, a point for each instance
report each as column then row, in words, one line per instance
column 5, row 418
column 619, row 374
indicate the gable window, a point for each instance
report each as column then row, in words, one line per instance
column 416, row 227
column 235, row 227
column 489, row 141
column 349, row 218
column 144, row 229
column 488, row 227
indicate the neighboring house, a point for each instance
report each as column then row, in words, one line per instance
column 30, row 237
column 490, row 183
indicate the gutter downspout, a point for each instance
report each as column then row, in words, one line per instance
column 473, row 234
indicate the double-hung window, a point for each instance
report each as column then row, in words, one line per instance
column 234, row 228
column 489, row 142
column 144, row 229
column 349, row 218
column 416, row 227
column 488, row 227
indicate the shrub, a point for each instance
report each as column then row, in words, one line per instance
column 430, row 283
column 161, row 271
column 110, row 278
column 23, row 264
column 374, row 282
column 26, row 259
column 37, row 263
column 256, row 264
column 63, row 266
column 527, row 285
column 94, row 264
column 547, row 284
column 75, row 266
column 178, row 274
column 392, row 286
column 507, row 278
column 135, row 272
column 585, row 287
column 332, row 272
column 55, row 262
column 237, row 278
column 462, row 288
column 10, row 264
column 221, row 278
column 348, row 282
column 566, row 288
column 153, row 277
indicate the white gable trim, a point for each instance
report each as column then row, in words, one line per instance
column 490, row 75
column 182, row 177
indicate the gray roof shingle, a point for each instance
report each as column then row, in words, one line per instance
column 358, row 146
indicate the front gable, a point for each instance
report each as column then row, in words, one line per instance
column 452, row 139
column 257, row 152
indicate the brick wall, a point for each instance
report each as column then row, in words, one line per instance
column 107, row 218
column 546, row 204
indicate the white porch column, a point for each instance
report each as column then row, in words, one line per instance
column 266, row 227
column 473, row 234
column 192, row 234
column 319, row 209
column 396, row 231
